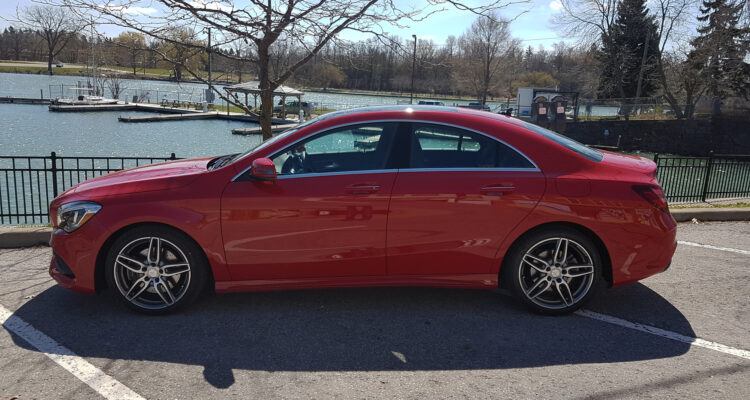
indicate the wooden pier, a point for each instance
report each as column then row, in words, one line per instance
column 169, row 117
column 256, row 130
column 23, row 100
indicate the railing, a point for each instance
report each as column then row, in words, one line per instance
column 29, row 183
column 697, row 179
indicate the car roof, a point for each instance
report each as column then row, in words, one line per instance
column 400, row 111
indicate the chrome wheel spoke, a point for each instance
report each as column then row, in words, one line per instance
column 539, row 287
column 128, row 263
column 576, row 271
column 154, row 250
column 134, row 291
column 556, row 273
column 161, row 288
column 175, row 269
column 564, row 291
column 152, row 272
column 561, row 251
column 529, row 259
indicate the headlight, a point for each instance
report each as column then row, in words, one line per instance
column 72, row 216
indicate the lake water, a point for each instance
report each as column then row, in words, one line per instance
column 33, row 130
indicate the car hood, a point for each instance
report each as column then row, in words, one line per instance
column 163, row 176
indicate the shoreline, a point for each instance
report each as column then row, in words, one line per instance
column 422, row 96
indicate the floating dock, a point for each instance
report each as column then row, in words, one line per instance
column 256, row 130
column 23, row 100
column 169, row 117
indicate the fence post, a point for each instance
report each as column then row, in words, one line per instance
column 53, row 157
column 172, row 157
column 708, row 175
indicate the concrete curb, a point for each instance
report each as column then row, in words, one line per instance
column 711, row 214
column 27, row 236
column 24, row 236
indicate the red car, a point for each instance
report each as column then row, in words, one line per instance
column 383, row 196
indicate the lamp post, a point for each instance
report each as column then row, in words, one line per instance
column 209, row 57
column 413, row 64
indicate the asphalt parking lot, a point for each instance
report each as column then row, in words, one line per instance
column 392, row 342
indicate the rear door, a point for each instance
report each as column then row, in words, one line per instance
column 460, row 196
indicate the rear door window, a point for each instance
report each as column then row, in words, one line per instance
column 439, row 146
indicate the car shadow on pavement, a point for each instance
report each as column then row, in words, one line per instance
column 375, row 329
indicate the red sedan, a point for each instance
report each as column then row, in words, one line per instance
column 383, row 196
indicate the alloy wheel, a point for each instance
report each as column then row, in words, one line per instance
column 556, row 273
column 152, row 273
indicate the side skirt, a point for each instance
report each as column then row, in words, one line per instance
column 470, row 281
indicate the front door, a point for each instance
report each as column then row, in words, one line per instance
column 326, row 214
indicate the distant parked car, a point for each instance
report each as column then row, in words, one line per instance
column 59, row 64
column 477, row 106
column 292, row 107
column 430, row 103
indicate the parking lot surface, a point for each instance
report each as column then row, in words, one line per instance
column 390, row 342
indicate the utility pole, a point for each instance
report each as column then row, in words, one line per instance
column 643, row 67
column 413, row 64
column 209, row 58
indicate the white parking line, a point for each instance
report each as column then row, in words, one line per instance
column 102, row 383
column 666, row 334
column 708, row 246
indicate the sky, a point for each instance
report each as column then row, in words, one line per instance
column 531, row 24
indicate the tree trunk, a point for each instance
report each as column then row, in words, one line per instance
column 266, row 92
column 50, row 56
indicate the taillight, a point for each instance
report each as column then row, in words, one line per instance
column 653, row 194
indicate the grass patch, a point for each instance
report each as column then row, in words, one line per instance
column 709, row 205
column 40, row 70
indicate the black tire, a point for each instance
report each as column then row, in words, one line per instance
column 538, row 276
column 160, row 269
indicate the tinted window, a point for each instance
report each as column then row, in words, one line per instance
column 353, row 148
column 591, row 154
column 437, row 146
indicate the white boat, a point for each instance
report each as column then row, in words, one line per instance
column 82, row 96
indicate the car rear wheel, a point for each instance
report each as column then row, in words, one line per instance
column 155, row 270
column 555, row 271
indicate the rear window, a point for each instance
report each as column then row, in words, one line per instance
column 588, row 152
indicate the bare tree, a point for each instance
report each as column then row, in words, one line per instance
column 55, row 25
column 310, row 24
column 115, row 84
column 591, row 21
column 486, row 45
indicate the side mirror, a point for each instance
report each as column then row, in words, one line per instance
column 263, row 169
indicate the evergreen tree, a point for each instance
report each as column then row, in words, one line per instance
column 625, row 73
column 721, row 48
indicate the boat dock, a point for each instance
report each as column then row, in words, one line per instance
column 23, row 100
column 256, row 130
column 169, row 117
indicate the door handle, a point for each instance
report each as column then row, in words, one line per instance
column 497, row 190
column 362, row 189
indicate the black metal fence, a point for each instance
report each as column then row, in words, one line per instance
column 29, row 183
column 696, row 179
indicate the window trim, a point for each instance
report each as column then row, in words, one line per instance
column 400, row 121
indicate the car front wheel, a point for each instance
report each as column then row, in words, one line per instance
column 555, row 271
column 155, row 270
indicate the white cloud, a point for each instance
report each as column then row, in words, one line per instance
column 210, row 5
column 133, row 10
column 556, row 5
column 140, row 10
